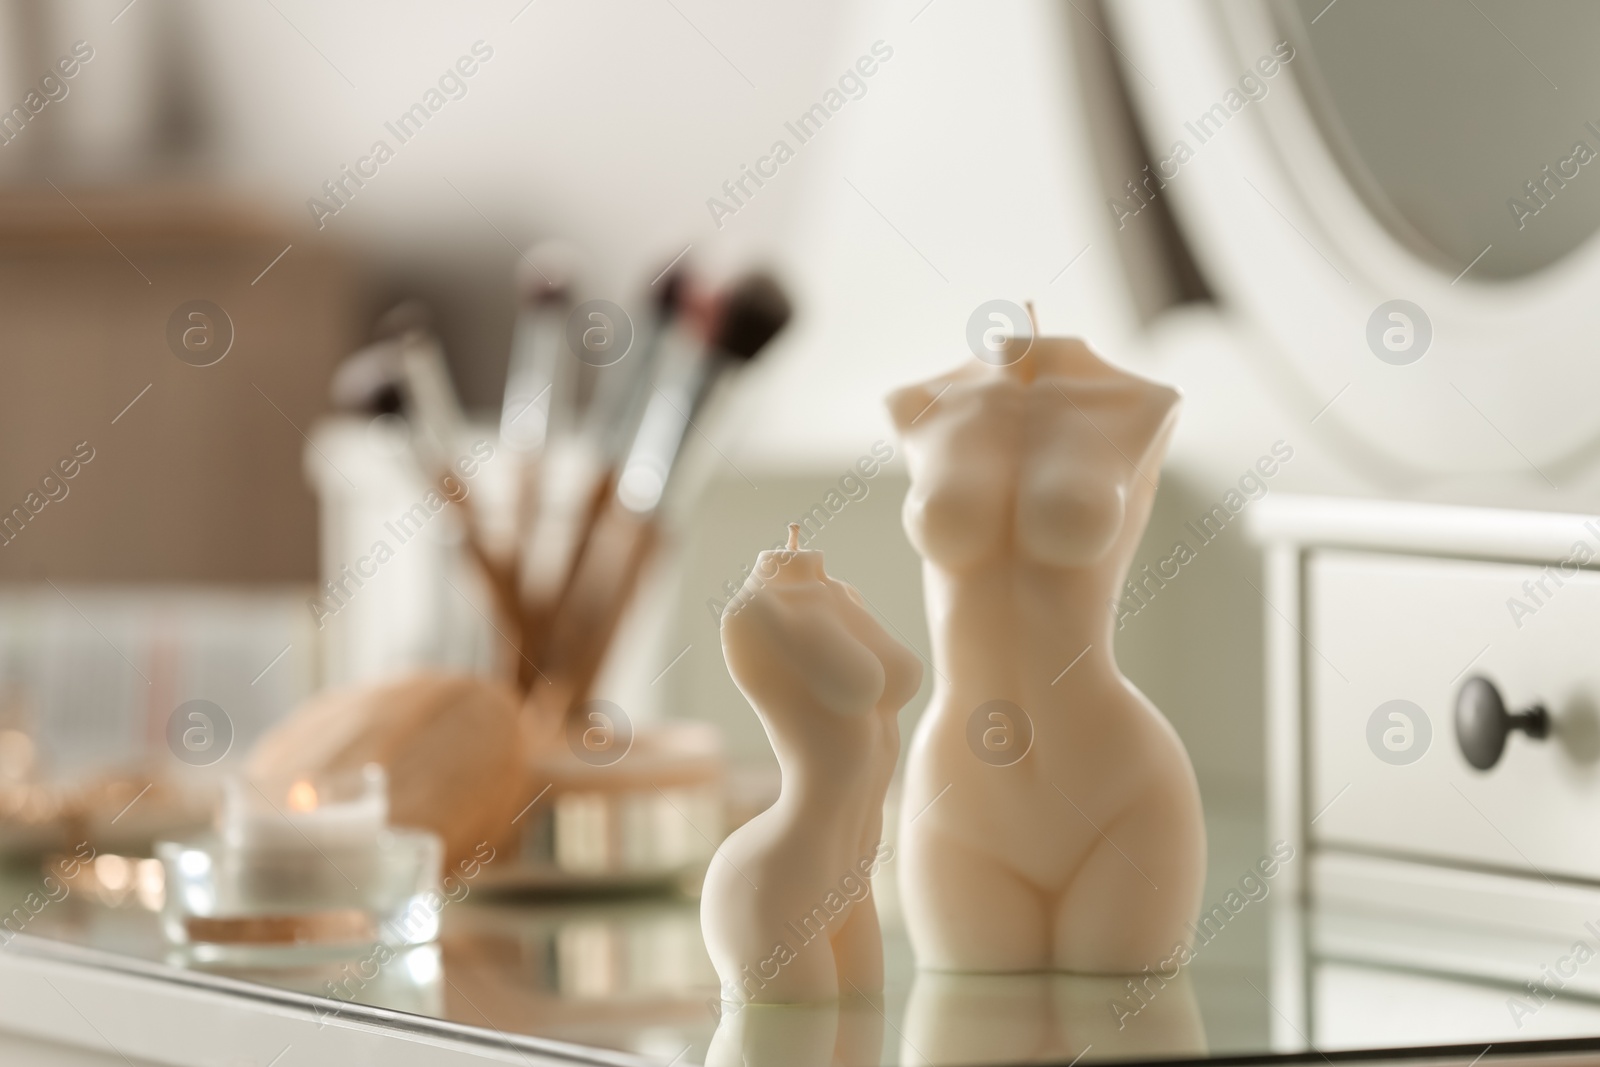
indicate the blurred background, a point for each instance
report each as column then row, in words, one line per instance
column 1225, row 198
column 988, row 158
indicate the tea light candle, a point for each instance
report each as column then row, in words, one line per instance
column 310, row 843
column 306, row 814
column 301, row 863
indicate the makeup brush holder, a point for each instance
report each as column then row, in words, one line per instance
column 618, row 807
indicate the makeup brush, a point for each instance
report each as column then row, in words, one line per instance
column 436, row 420
column 536, row 394
column 620, row 405
column 544, row 283
column 368, row 381
column 430, row 399
column 625, row 388
column 752, row 314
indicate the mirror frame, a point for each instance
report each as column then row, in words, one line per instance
column 1291, row 246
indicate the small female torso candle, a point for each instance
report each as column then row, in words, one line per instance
column 1071, row 836
column 786, row 910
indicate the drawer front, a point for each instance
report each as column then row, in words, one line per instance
column 1384, row 628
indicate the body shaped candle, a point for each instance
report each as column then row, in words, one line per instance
column 786, row 910
column 1071, row 837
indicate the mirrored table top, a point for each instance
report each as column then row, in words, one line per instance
column 630, row 974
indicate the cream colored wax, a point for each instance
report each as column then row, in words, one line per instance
column 786, row 910
column 1050, row 819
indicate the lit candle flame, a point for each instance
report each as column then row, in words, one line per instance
column 302, row 797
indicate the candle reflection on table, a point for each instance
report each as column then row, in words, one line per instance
column 1030, row 1018
column 848, row 1033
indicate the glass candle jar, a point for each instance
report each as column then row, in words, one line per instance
column 302, row 867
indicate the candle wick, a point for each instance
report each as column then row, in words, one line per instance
column 1033, row 321
column 794, row 537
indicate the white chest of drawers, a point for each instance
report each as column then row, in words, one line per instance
column 1377, row 613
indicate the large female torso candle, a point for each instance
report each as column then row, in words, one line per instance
column 1051, row 818
column 786, row 910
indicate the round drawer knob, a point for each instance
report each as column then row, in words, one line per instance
column 1482, row 722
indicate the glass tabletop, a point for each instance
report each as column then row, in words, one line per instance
column 629, row 973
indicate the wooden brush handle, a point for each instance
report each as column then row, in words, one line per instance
column 645, row 535
column 593, row 512
column 584, row 624
column 502, row 577
column 559, row 647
